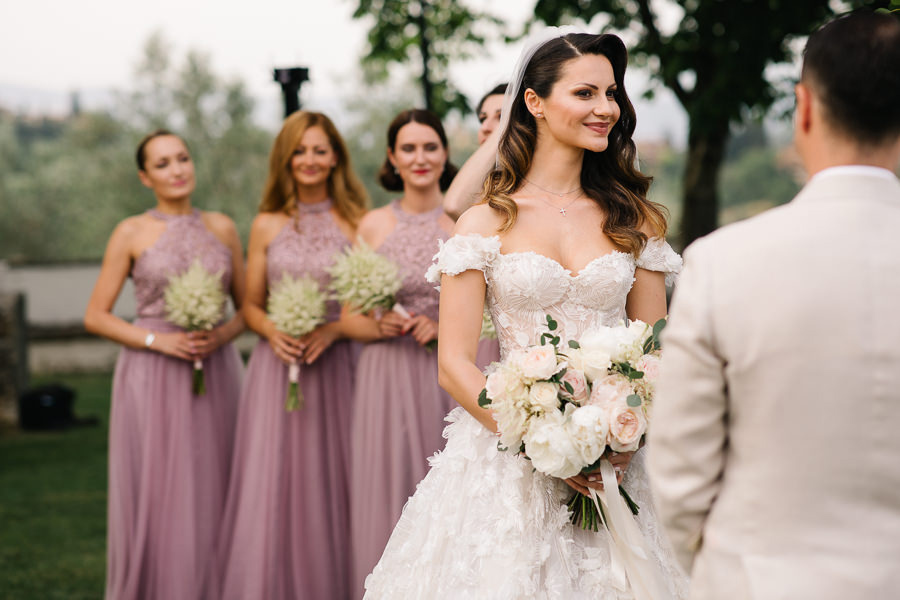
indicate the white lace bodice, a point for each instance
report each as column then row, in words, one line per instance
column 524, row 287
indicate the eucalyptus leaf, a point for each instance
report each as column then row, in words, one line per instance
column 633, row 400
column 574, row 345
column 483, row 400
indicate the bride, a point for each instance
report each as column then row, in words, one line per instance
column 564, row 229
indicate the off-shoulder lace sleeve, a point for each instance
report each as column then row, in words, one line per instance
column 461, row 253
column 658, row 255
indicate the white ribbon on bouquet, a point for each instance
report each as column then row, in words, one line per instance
column 628, row 550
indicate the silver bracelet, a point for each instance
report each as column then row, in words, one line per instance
column 148, row 341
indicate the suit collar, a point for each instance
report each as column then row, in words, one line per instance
column 852, row 183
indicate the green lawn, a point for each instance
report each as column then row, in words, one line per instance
column 53, row 502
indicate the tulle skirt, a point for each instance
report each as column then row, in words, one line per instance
column 169, row 459
column 397, row 426
column 484, row 525
column 286, row 531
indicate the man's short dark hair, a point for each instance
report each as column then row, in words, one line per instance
column 852, row 64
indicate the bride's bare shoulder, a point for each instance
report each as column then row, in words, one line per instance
column 480, row 219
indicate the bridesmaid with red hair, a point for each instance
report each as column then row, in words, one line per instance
column 286, row 529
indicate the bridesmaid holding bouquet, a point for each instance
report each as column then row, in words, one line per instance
column 169, row 448
column 285, row 534
column 399, row 406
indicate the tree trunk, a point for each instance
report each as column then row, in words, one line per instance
column 425, row 51
column 700, row 197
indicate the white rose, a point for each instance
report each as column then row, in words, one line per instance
column 550, row 447
column 596, row 363
column 626, row 427
column 589, row 429
column 575, row 378
column 544, row 395
column 539, row 362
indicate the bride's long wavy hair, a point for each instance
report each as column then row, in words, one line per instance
column 610, row 178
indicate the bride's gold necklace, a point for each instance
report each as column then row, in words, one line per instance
column 562, row 210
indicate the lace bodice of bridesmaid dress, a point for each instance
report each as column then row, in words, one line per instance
column 185, row 239
column 411, row 245
column 307, row 246
column 524, row 287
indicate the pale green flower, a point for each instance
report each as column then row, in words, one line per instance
column 363, row 279
column 296, row 306
column 195, row 299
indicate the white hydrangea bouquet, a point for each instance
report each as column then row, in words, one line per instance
column 565, row 408
column 366, row 280
column 295, row 306
column 195, row 301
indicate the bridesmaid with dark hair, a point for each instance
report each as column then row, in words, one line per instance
column 169, row 450
column 399, row 406
column 286, row 534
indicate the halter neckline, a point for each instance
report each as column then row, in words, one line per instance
column 315, row 207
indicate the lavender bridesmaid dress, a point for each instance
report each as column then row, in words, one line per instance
column 169, row 451
column 285, row 534
column 399, row 407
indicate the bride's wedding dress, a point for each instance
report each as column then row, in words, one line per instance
column 483, row 523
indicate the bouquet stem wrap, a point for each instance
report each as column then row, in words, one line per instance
column 628, row 549
column 294, row 399
column 199, row 382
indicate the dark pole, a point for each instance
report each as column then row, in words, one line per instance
column 291, row 80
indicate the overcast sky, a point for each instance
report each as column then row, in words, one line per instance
column 50, row 48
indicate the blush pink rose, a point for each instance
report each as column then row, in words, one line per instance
column 626, row 427
column 576, row 379
column 539, row 362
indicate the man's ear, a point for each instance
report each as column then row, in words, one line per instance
column 804, row 109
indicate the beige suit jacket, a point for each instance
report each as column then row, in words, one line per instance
column 774, row 451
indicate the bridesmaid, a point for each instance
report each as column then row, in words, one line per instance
column 285, row 534
column 399, row 406
column 169, row 451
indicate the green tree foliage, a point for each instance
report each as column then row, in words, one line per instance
column 67, row 182
column 430, row 33
column 715, row 61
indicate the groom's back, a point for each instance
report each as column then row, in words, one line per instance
column 807, row 319
column 800, row 305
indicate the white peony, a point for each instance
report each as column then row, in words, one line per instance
column 606, row 340
column 550, row 447
column 589, row 428
column 610, row 390
column 649, row 365
column 512, row 421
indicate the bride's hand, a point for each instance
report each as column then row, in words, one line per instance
column 619, row 460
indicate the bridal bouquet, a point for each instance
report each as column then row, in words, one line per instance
column 564, row 408
column 195, row 301
column 296, row 307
